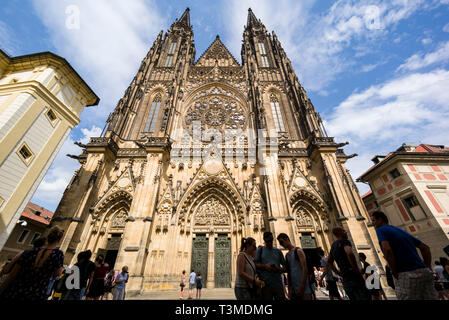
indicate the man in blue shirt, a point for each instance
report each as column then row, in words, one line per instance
column 413, row 277
column 192, row 283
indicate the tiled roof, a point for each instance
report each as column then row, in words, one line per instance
column 367, row 194
column 422, row 148
column 431, row 148
column 34, row 212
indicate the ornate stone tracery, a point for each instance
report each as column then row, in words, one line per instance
column 119, row 220
column 303, row 219
column 212, row 212
column 216, row 112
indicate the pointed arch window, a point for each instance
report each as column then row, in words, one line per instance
column 277, row 115
column 152, row 116
column 263, row 55
column 171, row 54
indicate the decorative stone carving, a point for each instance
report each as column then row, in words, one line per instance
column 119, row 220
column 212, row 212
column 303, row 219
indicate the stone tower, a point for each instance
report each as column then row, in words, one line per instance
column 200, row 153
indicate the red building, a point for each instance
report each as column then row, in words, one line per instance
column 31, row 225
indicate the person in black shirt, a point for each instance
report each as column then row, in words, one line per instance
column 376, row 293
column 341, row 252
column 86, row 272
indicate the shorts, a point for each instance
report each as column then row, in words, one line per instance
column 416, row 285
column 191, row 286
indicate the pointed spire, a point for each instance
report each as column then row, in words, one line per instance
column 185, row 18
column 252, row 20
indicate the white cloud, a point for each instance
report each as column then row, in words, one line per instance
column 7, row 42
column 379, row 119
column 426, row 41
column 316, row 44
column 446, row 28
column 114, row 36
column 371, row 67
column 418, row 61
column 410, row 107
column 88, row 133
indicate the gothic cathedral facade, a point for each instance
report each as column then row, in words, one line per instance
column 199, row 154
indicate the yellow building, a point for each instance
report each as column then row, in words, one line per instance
column 41, row 99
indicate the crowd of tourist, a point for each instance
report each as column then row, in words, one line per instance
column 260, row 269
column 39, row 274
column 263, row 272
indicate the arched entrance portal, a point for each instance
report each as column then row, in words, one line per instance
column 108, row 225
column 212, row 216
column 311, row 220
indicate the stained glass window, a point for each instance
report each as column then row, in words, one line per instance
column 152, row 116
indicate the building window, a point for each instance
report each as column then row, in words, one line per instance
column 51, row 116
column 25, row 153
column 171, row 54
column 152, row 116
column 277, row 115
column 263, row 55
column 413, row 207
column 23, row 236
column 36, row 235
column 394, row 173
column 411, row 202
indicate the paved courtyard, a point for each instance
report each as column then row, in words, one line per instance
column 213, row 294
column 207, row 294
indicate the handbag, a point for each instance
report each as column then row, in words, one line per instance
column 254, row 290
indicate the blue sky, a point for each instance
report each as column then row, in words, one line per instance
column 377, row 71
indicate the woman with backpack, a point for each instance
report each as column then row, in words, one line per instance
column 30, row 276
column 246, row 282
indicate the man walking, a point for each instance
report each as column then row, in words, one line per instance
column 192, row 281
column 413, row 277
column 298, row 282
column 268, row 262
column 331, row 281
column 341, row 252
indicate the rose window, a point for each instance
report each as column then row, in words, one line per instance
column 216, row 112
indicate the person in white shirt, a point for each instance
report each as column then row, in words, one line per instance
column 441, row 283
